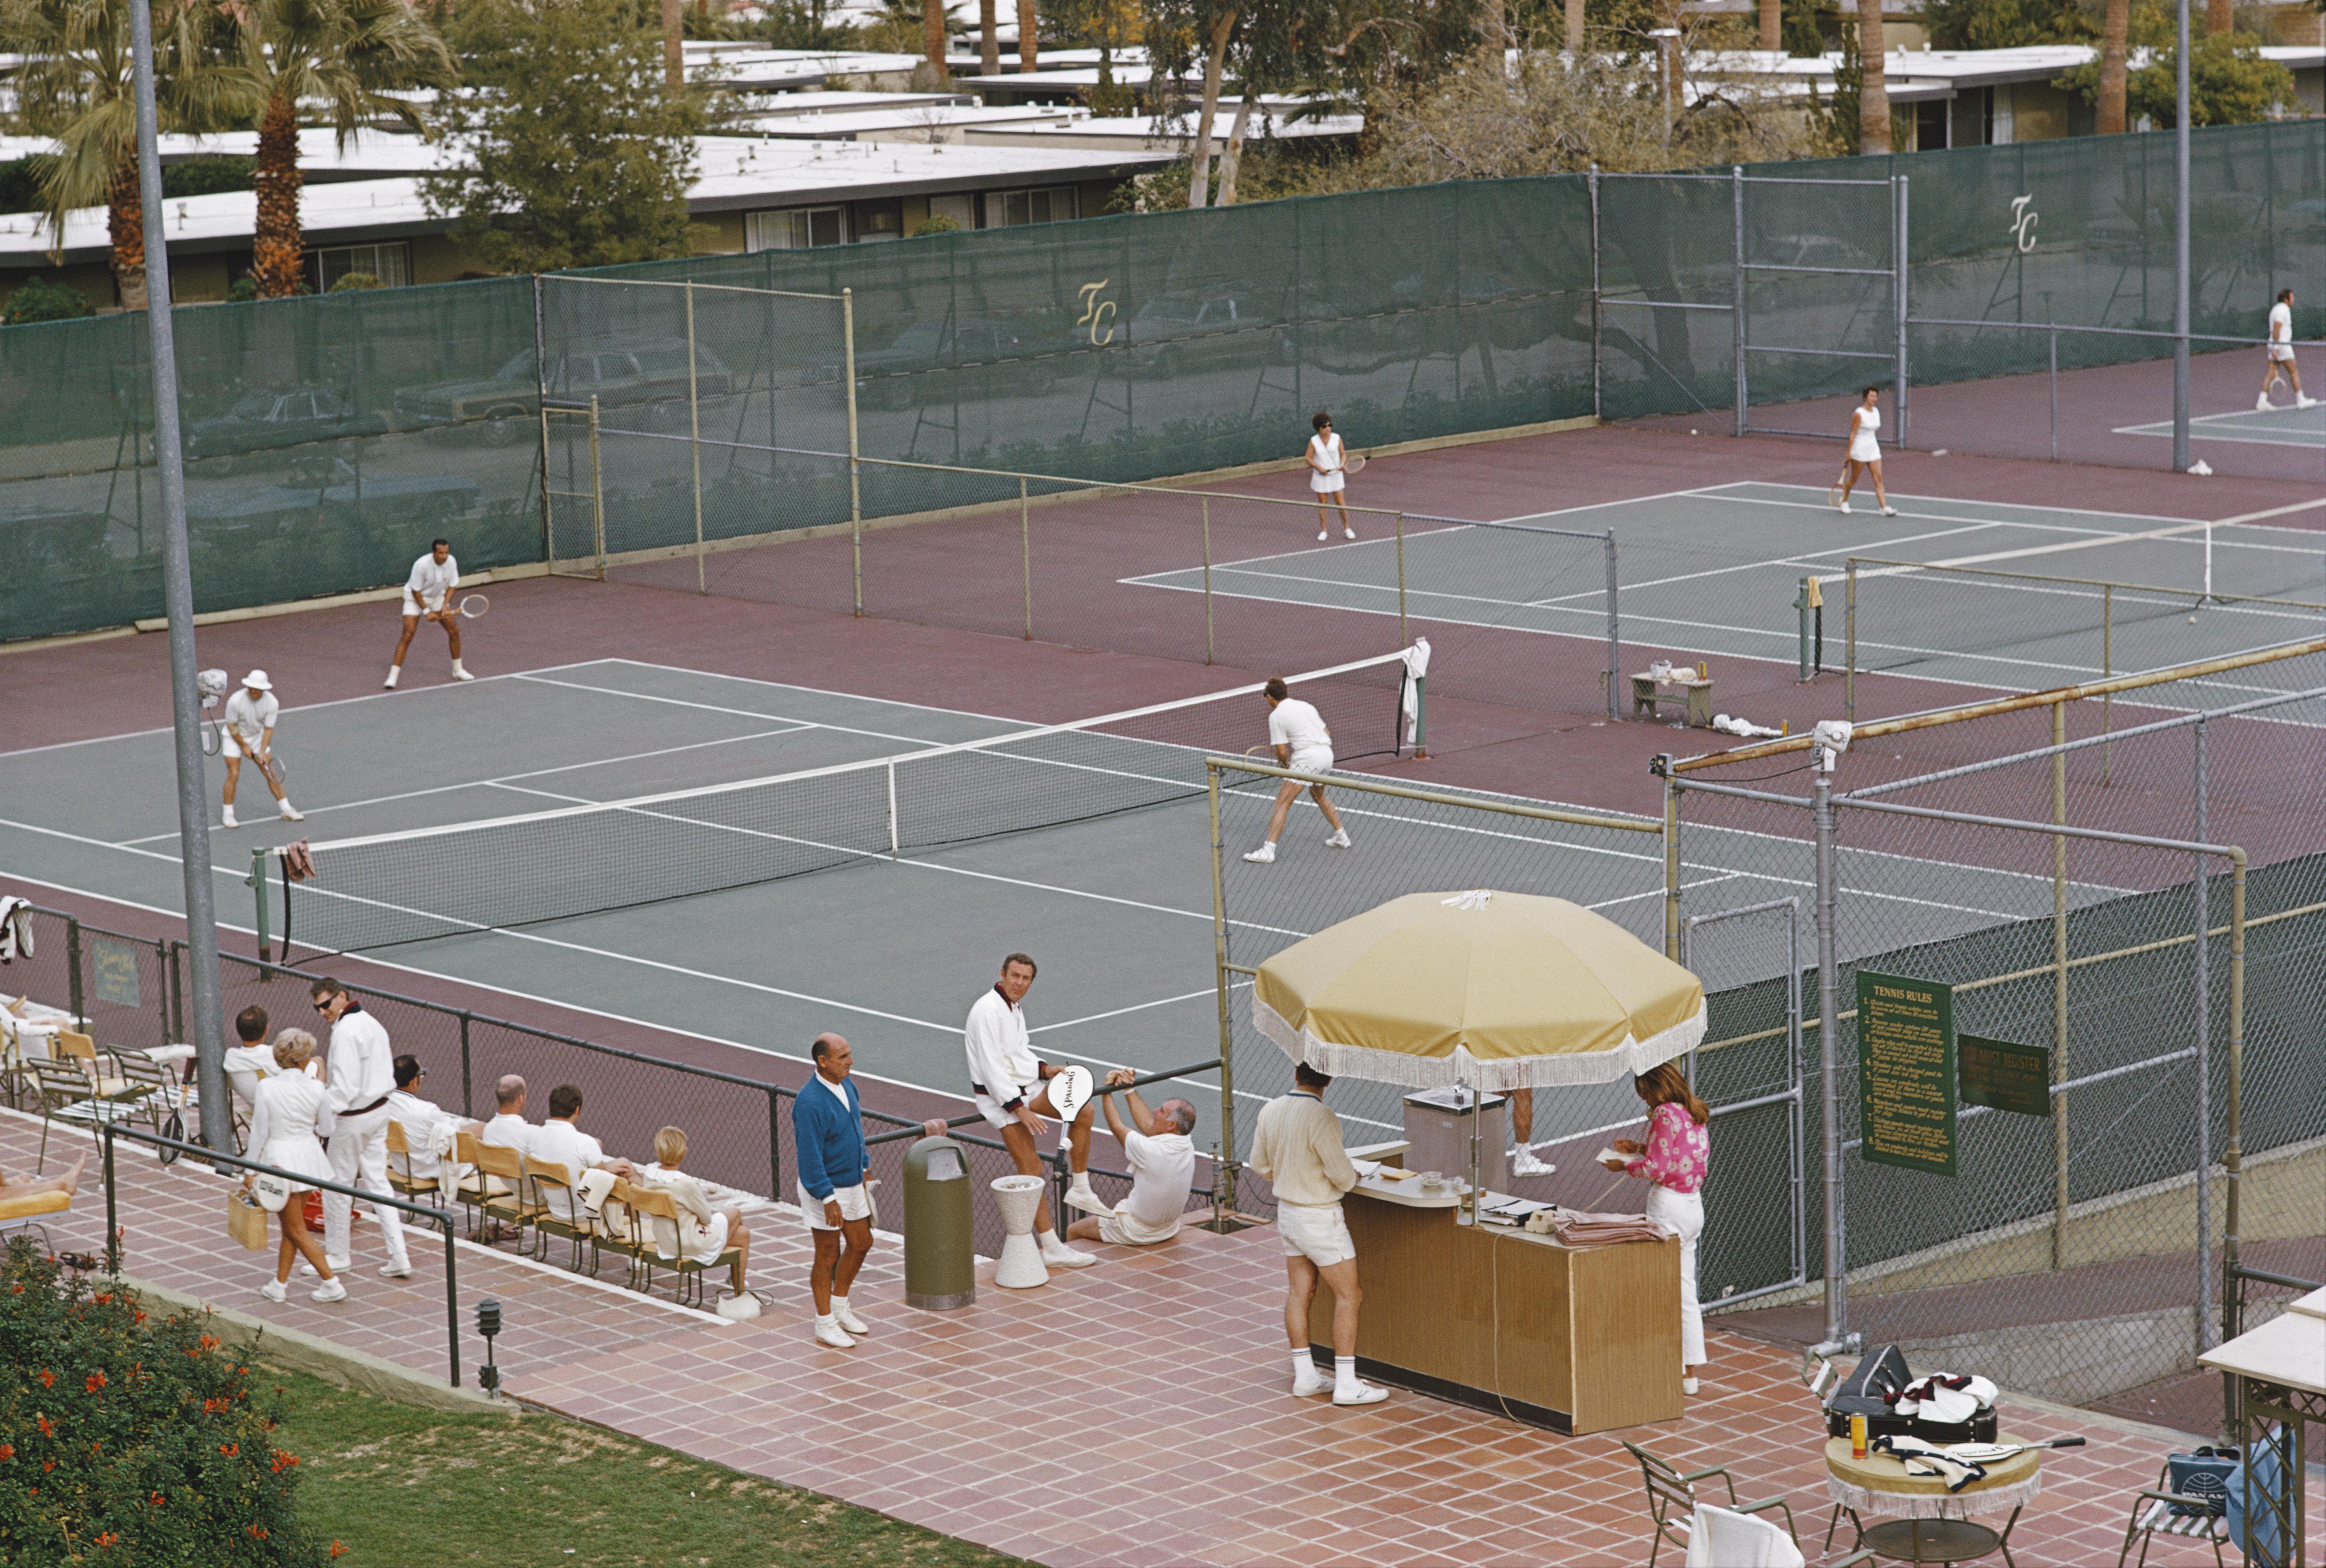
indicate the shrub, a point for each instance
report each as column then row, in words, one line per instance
column 129, row 1440
column 242, row 291
column 355, row 280
column 39, row 300
column 936, row 223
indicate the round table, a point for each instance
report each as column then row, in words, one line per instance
column 1929, row 1523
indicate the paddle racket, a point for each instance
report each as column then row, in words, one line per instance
column 1992, row 1452
column 473, row 605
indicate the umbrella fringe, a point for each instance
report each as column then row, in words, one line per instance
column 1393, row 1067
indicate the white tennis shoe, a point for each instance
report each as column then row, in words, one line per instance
column 329, row 1290
column 1056, row 1254
column 1844, row 507
column 1358, row 1392
column 1264, row 855
column 394, row 670
column 1889, row 511
column 829, row 1332
column 2301, row 402
column 274, row 1291
column 1080, row 1196
column 1339, row 839
column 1310, row 1385
column 1322, row 535
column 289, row 813
column 1524, row 1163
column 845, row 1316
column 1351, row 532
column 227, row 818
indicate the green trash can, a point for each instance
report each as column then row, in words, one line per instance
column 940, row 1261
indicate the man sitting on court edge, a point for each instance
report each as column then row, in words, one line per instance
column 1162, row 1160
column 1012, row 1089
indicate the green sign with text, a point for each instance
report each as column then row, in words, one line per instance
column 2005, row 1077
column 1907, row 1072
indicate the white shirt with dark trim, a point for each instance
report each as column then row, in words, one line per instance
column 1000, row 1052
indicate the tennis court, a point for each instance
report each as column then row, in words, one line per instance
column 2283, row 425
column 1109, row 889
column 1714, row 573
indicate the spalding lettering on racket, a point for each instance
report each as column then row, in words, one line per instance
column 473, row 605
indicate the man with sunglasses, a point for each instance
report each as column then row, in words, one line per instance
column 421, row 1119
column 360, row 1075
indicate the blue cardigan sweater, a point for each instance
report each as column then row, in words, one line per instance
column 831, row 1141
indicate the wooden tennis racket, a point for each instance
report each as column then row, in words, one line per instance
column 1833, row 490
column 1354, row 464
column 473, row 605
column 277, row 769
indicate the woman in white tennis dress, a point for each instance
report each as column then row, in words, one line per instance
column 701, row 1232
column 1864, row 453
column 1328, row 476
column 287, row 1113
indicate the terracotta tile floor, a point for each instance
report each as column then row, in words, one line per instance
column 1132, row 1413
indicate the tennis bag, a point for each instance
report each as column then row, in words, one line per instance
column 2203, row 1475
column 1868, row 1391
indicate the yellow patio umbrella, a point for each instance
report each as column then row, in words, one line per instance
column 1499, row 991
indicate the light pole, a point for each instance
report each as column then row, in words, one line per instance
column 178, row 598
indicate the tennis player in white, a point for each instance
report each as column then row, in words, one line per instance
column 1328, row 476
column 2281, row 356
column 1296, row 730
column 428, row 595
column 1865, row 452
column 249, row 732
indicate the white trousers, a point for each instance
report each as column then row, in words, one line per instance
column 360, row 1159
column 1684, row 1212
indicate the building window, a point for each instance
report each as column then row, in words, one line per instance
column 391, row 263
column 800, row 228
column 877, row 220
column 1008, row 209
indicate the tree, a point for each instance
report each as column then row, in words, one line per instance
column 577, row 156
column 39, row 300
column 1873, row 94
column 340, row 54
column 2006, row 23
column 2230, row 81
column 75, row 84
column 2107, row 120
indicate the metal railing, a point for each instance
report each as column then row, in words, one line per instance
column 107, row 1131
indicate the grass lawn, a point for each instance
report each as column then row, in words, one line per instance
column 398, row 1485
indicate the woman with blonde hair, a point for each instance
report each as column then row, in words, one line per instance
column 1673, row 1158
column 701, row 1232
column 289, row 1111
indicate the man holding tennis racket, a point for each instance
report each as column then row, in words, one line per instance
column 1015, row 1090
column 428, row 596
column 1297, row 735
column 249, row 732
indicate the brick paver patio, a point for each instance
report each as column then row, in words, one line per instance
column 1135, row 1413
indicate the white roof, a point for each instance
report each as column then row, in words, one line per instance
column 1079, row 79
column 734, row 174
column 932, row 120
column 785, row 105
column 1148, row 131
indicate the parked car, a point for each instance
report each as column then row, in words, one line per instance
column 1173, row 333
column 264, row 420
column 650, row 374
column 925, row 360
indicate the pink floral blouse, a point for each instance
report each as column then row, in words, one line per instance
column 1678, row 1150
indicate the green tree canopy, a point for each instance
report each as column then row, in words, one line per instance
column 575, row 155
column 2006, row 24
column 2230, row 83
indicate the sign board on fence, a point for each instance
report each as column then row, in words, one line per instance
column 2005, row 1077
column 1907, row 1072
column 115, row 968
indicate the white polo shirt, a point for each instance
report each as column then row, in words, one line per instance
column 1297, row 725
column 563, row 1144
column 248, row 719
column 1162, row 1174
column 430, row 583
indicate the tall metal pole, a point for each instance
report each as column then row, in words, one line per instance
column 1900, row 243
column 1614, row 637
column 855, row 483
column 178, row 595
column 1224, row 1179
column 1736, row 301
column 2204, row 1066
column 694, row 440
column 1591, row 184
column 1837, row 1266
column 2059, row 1192
column 2181, row 238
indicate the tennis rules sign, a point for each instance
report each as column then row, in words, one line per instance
column 1906, row 1073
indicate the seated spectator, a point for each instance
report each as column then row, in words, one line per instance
column 1162, row 1160
column 427, row 1126
column 252, row 1060
column 33, row 1186
column 508, row 1128
column 558, row 1141
column 702, row 1232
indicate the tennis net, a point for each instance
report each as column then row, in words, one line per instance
column 393, row 888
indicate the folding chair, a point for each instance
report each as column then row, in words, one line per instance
column 472, row 1188
column 576, row 1224
column 2160, row 1512
column 1671, row 1499
column 515, row 1204
column 151, row 1094
column 619, row 1231
column 652, row 1203
column 407, row 1182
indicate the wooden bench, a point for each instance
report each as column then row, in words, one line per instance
column 1648, row 694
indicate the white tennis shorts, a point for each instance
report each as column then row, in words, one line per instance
column 995, row 1116
column 855, row 1203
column 229, row 743
column 2281, row 350
column 1314, row 759
column 412, row 606
column 1318, row 1232
column 1126, row 1229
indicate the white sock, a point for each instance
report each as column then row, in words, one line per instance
column 1345, row 1371
column 456, row 667
column 394, row 670
column 1052, row 1241
column 825, row 1321
column 1303, row 1365
column 839, row 1305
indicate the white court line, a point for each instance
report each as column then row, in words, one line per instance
column 304, row 708
column 739, row 713
column 1787, row 563
column 508, row 778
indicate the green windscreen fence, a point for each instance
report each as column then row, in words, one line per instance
column 330, row 438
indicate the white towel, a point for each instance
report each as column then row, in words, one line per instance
column 1718, row 1538
column 1417, row 666
column 15, row 928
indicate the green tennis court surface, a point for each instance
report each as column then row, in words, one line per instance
column 1715, row 573
column 889, row 951
column 2282, row 425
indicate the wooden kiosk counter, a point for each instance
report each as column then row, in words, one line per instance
column 1576, row 1339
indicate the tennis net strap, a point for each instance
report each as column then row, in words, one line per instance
column 385, row 889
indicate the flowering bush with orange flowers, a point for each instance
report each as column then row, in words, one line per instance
column 133, row 1440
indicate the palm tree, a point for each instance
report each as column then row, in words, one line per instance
column 74, row 83
column 345, row 55
column 2116, row 23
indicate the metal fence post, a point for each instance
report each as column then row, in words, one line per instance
column 855, row 477
column 1207, row 579
column 694, row 438
column 1026, row 554
column 2055, row 394
column 452, row 1303
column 1671, row 861
column 1614, row 637
column 1836, row 1273
column 2233, row 1150
column 2204, row 1064
column 1591, row 183
column 597, row 490
column 1900, row 269
column 2059, row 1075
column 1849, row 670
column 112, row 1211
column 1224, row 1176
column 467, row 1098
column 1736, row 285
column 74, row 995
column 776, row 1143
column 541, row 407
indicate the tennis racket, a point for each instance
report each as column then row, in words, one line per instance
column 473, row 605
column 1353, row 465
column 277, row 769
column 1833, row 490
column 1993, row 1452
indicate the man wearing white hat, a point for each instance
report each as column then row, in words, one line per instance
column 249, row 732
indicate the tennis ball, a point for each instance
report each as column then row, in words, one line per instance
column 2192, row 620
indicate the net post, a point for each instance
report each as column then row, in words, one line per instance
column 855, row 474
column 1614, row 637
column 1849, row 672
column 1208, row 580
column 597, row 489
column 1026, row 554
column 1421, row 719
column 1802, row 608
column 257, row 881
column 1591, row 184
column 2059, row 989
column 75, row 996
column 1736, row 306
column 894, row 851
column 1402, row 639
column 1223, row 1178
column 695, row 439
